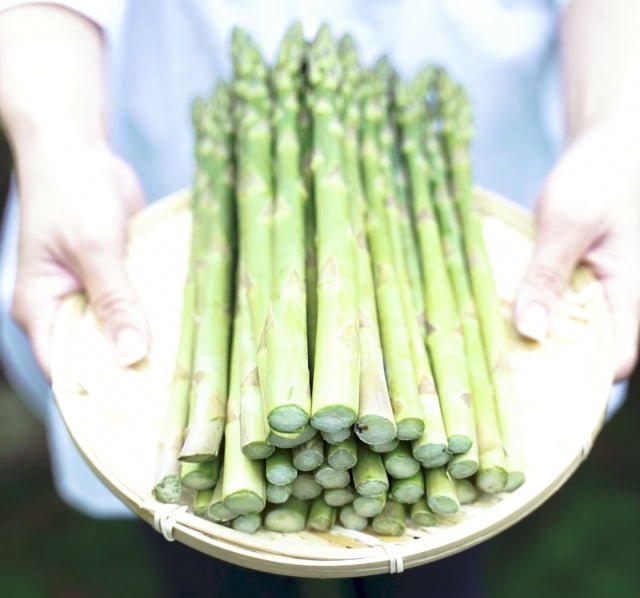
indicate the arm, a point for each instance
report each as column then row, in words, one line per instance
column 75, row 194
column 589, row 208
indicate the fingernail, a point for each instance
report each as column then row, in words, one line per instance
column 533, row 321
column 130, row 347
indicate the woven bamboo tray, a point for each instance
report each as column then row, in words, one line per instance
column 115, row 415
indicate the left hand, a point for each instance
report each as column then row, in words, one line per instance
column 589, row 212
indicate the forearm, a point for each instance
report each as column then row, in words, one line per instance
column 600, row 54
column 52, row 88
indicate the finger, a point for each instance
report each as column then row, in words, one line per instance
column 115, row 303
column 560, row 243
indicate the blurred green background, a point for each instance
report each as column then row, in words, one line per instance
column 585, row 541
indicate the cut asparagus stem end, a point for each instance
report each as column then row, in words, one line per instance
column 258, row 450
column 168, row 489
column 305, row 487
column 244, row 502
column 432, row 455
column 385, row 447
column 249, row 524
column 374, row 429
column 460, row 467
column 199, row 476
column 369, row 506
column 421, row 514
column 410, row 428
column 338, row 497
column 207, row 434
column 459, row 444
column 491, row 481
column 286, row 440
column 278, row 494
column 334, row 418
column 336, row 437
column 391, row 521
column 288, row 517
column 351, row 520
column 321, row 515
column 515, row 479
column 467, row 491
column 288, row 418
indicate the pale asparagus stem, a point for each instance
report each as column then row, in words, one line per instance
column 290, row 516
column 457, row 135
column 338, row 497
column 400, row 463
column 201, row 501
column 408, row 490
column 432, row 444
column 278, row 493
column 217, row 511
column 200, row 476
column 288, row 397
column 289, row 440
column 343, row 455
column 467, row 491
column 244, row 486
column 395, row 335
column 492, row 475
column 249, row 524
column 375, row 422
column 421, row 514
column 309, row 455
column 336, row 437
column 322, row 516
column 351, row 520
column 369, row 506
column 369, row 475
column 213, row 274
column 330, row 478
column 446, row 347
column 385, row 447
column 336, row 373
column 464, row 465
column 441, row 492
column 391, row 521
column 254, row 186
column 305, row 487
column 279, row 468
column 168, row 487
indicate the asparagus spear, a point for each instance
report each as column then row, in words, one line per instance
column 375, row 422
column 457, row 135
column 201, row 501
column 290, row 516
column 337, row 355
column 391, row 521
column 200, row 476
column 305, row 487
column 422, row 515
column 369, row 506
column 322, row 516
column 344, row 455
column 309, row 455
column 441, row 492
column 466, row 490
column 407, row 490
column 351, row 520
column 213, row 273
column 278, row 493
column 280, row 468
column 400, row 463
column 394, row 328
column 369, row 475
column 444, row 339
column 385, row 447
column 336, row 437
column 288, row 397
column 330, row 478
column 289, row 440
column 217, row 511
column 249, row 523
column 338, row 497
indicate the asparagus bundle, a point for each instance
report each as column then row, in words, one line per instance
column 366, row 351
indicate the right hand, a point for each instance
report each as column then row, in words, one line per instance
column 75, row 201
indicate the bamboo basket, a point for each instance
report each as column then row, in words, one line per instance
column 115, row 415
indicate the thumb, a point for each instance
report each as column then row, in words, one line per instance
column 561, row 241
column 115, row 303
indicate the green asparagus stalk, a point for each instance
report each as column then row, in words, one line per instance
column 421, row 514
column 288, row 517
column 213, row 273
column 407, row 490
column 400, row 463
column 330, row 478
column 444, row 338
column 322, row 516
column 200, row 476
column 466, row 490
column 441, row 492
column 309, row 455
column 280, row 468
column 338, row 497
column 351, row 520
column 289, row 440
column 375, row 422
column 337, row 356
column 305, row 487
column 217, row 511
column 336, row 437
column 288, row 398
column 278, row 493
column 395, row 335
column 369, row 474
column 249, row 523
column 385, row 447
column 344, row 455
column 464, row 465
column 201, row 501
column 369, row 506
column 457, row 135
column 391, row 521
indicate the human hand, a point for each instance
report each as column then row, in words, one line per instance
column 589, row 212
column 76, row 199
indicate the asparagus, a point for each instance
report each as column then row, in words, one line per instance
column 305, row 487
column 288, row 440
column 457, row 134
column 288, row 517
column 394, row 328
column 464, row 465
column 338, row 497
column 385, row 447
column 279, row 468
column 421, row 515
column 249, row 523
column 407, row 490
column 444, row 339
column 400, row 463
column 288, row 397
column 213, row 272
column 278, row 493
column 337, row 355
column 375, row 422
column 344, row 455
column 243, row 487
column 369, row 506
column 322, row 516
column 254, row 186
column 336, row 437
column 217, row 511
column 330, row 478
column 200, row 476
column 466, row 491
column 309, row 455
column 351, row 520
column 441, row 492
column 369, row 475
column 391, row 521
column 201, row 502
